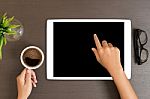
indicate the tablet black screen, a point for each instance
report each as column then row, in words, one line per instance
column 73, row 41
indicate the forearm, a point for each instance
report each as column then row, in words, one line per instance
column 123, row 85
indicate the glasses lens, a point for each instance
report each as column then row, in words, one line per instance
column 144, row 55
column 143, row 37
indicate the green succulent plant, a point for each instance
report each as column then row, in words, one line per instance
column 6, row 28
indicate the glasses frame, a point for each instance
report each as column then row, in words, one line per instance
column 140, row 47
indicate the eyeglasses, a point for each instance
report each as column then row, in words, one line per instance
column 140, row 39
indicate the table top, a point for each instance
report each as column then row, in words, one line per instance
column 33, row 15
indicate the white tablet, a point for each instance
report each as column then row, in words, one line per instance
column 69, row 43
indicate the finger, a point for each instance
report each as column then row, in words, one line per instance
column 117, row 49
column 33, row 76
column 104, row 43
column 23, row 74
column 28, row 77
column 110, row 45
column 34, row 84
column 97, row 42
column 96, row 54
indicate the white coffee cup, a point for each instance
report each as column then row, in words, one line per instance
column 32, row 67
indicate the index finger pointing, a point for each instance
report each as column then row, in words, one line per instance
column 97, row 42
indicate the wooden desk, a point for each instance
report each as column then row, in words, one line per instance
column 33, row 15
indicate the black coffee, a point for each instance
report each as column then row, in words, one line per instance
column 32, row 62
column 32, row 57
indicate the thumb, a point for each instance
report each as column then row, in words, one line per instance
column 23, row 73
column 28, row 77
column 96, row 54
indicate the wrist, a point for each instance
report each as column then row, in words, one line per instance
column 116, row 72
column 21, row 97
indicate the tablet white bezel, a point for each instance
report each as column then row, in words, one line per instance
column 49, row 44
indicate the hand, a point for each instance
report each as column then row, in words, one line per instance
column 107, row 55
column 24, row 83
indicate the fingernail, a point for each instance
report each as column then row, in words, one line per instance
column 35, row 81
column 104, row 41
column 28, row 71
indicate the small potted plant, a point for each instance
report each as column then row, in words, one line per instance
column 9, row 30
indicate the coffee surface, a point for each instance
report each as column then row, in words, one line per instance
column 32, row 57
column 32, row 62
